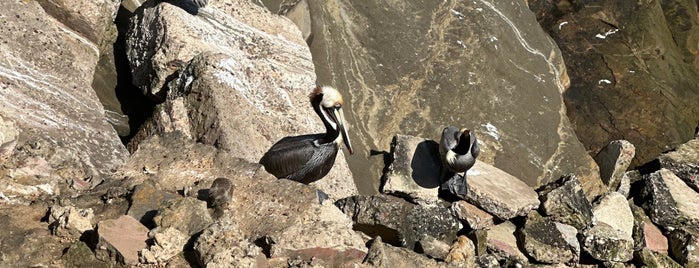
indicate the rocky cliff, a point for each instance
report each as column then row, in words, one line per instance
column 181, row 186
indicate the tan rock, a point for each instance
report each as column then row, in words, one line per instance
column 462, row 253
column 121, row 239
column 473, row 216
column 498, row 192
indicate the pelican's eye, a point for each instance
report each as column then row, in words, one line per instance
column 338, row 105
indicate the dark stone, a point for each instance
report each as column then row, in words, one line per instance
column 543, row 241
column 605, row 243
column 187, row 215
column 79, row 255
column 385, row 255
column 565, row 202
column 145, row 202
column 684, row 162
column 684, row 246
column 397, row 221
column 668, row 201
column 651, row 259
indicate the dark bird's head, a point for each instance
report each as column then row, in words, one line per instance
column 327, row 102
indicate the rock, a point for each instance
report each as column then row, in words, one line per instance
column 434, row 248
column 502, row 242
column 26, row 240
column 625, row 184
column 570, row 234
column 684, row 246
column 267, row 71
column 474, row 217
column 398, row 222
column 384, row 255
column 8, row 138
column 613, row 210
column 70, row 221
column 188, row 215
column 220, row 193
column 462, row 253
column 46, row 77
column 565, row 202
column 649, row 258
column 606, row 243
column 613, row 160
column 392, row 92
column 223, row 245
column 168, row 243
column 661, row 101
column 322, row 232
column 80, row 255
column 415, row 169
column 145, row 202
column 543, row 241
column 646, row 235
column 499, row 193
column 669, row 202
column 120, row 240
column 684, row 162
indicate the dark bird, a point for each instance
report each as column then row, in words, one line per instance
column 459, row 149
column 309, row 158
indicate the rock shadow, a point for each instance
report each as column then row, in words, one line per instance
column 426, row 164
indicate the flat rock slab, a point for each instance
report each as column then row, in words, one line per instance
column 669, row 201
column 613, row 209
column 684, row 162
column 474, row 217
column 415, row 170
column 121, row 239
column 564, row 201
column 544, row 242
column 501, row 240
column 498, row 192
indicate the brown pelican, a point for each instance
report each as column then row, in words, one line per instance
column 459, row 149
column 308, row 158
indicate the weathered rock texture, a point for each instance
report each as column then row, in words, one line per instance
column 544, row 242
column 606, row 243
column 613, row 161
column 121, row 239
column 669, row 201
column 417, row 81
column 684, row 246
column 415, row 170
column 633, row 69
column 45, row 77
column 684, row 162
column 498, row 192
column 267, row 73
column 564, row 201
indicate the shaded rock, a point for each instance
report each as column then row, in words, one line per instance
column 398, row 222
column 646, row 234
column 434, row 248
column 570, row 234
column 625, row 184
column 145, row 202
column 220, row 193
column 325, row 257
column 393, row 92
column 267, row 71
column 188, row 215
column 24, row 234
column 80, row 255
column 462, row 253
column 613, row 210
column 415, row 170
column 90, row 19
column 652, row 259
column 613, row 160
column 499, row 193
column 70, row 221
column 168, row 242
column 615, row 95
column 472, row 216
column 565, row 202
column 684, row 162
column 606, row 243
column 384, row 255
column 668, row 201
column 120, row 240
column 223, row 245
column 502, row 242
column 543, row 241
column 684, row 246
column 46, row 78
column 8, row 138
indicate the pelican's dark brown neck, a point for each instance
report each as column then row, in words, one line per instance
column 331, row 133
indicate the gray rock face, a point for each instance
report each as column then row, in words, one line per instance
column 544, row 242
column 415, row 170
column 8, row 138
column 684, row 246
column 45, row 77
column 168, row 242
column 267, row 73
column 223, row 245
column 384, row 255
column 613, row 210
column 121, row 239
column 613, row 160
column 638, row 71
column 80, row 255
column 498, row 192
column 684, row 162
column 417, row 81
column 434, row 248
column 188, row 215
column 472, row 216
column 69, row 220
column 565, row 202
column 605, row 243
column 145, row 201
column 397, row 221
column 669, row 201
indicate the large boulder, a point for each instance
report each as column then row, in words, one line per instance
column 242, row 88
column 668, row 201
column 684, row 162
column 417, row 67
column 633, row 69
column 45, row 75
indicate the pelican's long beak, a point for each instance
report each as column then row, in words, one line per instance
column 342, row 127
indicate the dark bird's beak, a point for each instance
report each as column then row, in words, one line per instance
column 342, row 127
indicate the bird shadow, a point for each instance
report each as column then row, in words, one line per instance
column 426, row 164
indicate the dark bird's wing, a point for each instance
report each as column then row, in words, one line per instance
column 289, row 155
column 449, row 139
